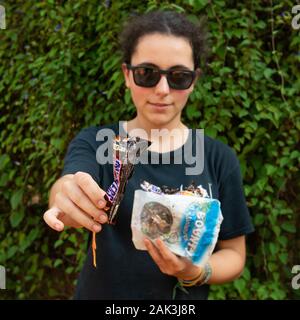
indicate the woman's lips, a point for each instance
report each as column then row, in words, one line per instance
column 159, row 105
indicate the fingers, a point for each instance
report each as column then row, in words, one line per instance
column 167, row 255
column 77, row 204
column 90, row 187
column 75, row 193
column 75, row 213
column 154, row 253
column 50, row 217
column 160, row 251
column 167, row 261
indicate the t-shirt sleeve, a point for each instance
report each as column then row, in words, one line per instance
column 81, row 155
column 237, row 220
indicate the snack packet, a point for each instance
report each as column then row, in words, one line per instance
column 187, row 221
column 126, row 151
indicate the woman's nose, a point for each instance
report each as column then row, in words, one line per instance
column 162, row 87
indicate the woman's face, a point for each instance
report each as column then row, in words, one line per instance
column 160, row 106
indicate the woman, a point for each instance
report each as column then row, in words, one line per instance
column 162, row 51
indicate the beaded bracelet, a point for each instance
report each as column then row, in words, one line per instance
column 201, row 279
column 192, row 282
column 207, row 275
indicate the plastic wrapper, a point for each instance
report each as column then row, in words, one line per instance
column 126, row 150
column 187, row 221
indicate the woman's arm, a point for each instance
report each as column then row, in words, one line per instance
column 227, row 263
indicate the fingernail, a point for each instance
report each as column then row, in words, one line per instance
column 101, row 203
column 96, row 228
column 102, row 218
column 57, row 226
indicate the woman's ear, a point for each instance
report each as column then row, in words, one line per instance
column 198, row 74
column 126, row 75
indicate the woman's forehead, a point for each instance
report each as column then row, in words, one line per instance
column 163, row 50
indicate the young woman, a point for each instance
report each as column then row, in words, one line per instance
column 162, row 51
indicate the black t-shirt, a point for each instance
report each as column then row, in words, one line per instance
column 123, row 272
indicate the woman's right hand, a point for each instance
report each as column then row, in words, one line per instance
column 78, row 202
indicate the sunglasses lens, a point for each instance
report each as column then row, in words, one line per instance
column 180, row 80
column 146, row 77
column 149, row 77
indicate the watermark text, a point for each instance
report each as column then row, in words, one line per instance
column 187, row 147
column 296, row 278
column 296, row 18
column 2, row 17
column 2, row 278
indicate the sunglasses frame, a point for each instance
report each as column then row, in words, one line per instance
column 161, row 72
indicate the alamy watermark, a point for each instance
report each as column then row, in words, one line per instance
column 2, row 278
column 2, row 17
column 296, row 18
column 190, row 150
column 296, row 278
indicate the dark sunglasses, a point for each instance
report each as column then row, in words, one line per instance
column 148, row 76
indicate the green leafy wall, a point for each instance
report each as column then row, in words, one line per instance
column 59, row 72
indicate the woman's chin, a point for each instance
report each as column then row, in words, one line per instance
column 160, row 121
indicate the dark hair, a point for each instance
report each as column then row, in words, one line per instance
column 169, row 23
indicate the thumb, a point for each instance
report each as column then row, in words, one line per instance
column 50, row 217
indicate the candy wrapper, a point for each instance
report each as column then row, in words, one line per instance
column 126, row 151
column 187, row 221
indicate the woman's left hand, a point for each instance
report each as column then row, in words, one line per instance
column 169, row 263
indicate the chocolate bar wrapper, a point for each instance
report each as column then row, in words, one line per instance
column 188, row 225
column 127, row 151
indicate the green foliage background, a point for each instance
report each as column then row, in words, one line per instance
column 59, row 73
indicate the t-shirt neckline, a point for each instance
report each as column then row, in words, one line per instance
column 186, row 144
